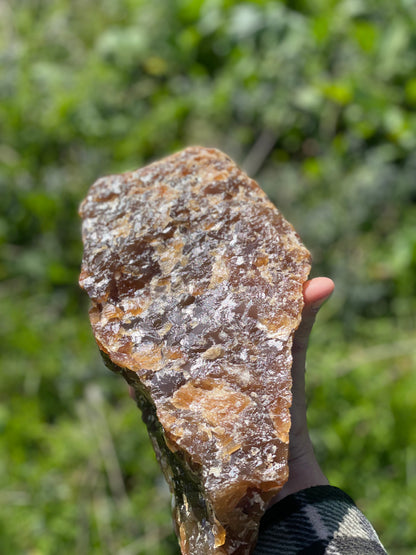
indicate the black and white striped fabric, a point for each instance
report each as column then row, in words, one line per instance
column 318, row 520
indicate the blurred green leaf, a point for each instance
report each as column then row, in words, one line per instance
column 366, row 34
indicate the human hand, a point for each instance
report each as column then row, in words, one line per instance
column 304, row 470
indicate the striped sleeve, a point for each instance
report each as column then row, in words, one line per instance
column 318, row 520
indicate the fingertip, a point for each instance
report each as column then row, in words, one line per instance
column 316, row 291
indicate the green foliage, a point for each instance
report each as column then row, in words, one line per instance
column 317, row 101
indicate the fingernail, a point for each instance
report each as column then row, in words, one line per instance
column 317, row 305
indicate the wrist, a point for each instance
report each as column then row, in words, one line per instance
column 304, row 472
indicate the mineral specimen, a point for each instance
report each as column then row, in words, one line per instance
column 196, row 287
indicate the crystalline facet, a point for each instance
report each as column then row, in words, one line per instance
column 196, row 283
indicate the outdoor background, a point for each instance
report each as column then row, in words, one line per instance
column 316, row 100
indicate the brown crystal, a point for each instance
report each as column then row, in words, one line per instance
column 196, row 287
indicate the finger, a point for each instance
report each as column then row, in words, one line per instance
column 315, row 293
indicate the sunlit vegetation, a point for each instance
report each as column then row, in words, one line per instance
column 316, row 100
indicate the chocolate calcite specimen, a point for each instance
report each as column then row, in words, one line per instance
column 196, row 287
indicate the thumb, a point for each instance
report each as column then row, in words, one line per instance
column 315, row 293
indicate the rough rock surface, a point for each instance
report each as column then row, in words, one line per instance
column 196, row 287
